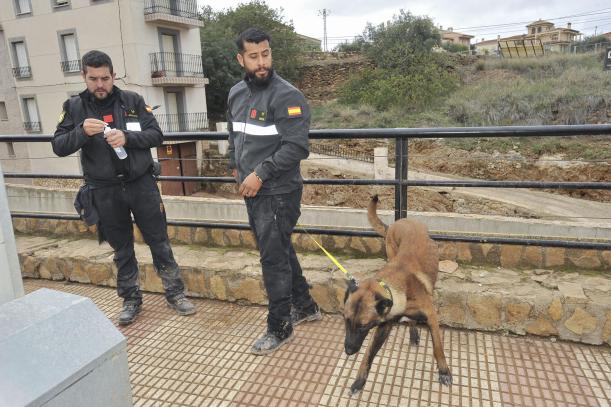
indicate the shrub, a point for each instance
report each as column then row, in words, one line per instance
column 412, row 89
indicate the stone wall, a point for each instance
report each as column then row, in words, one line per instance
column 319, row 81
column 545, row 302
column 511, row 256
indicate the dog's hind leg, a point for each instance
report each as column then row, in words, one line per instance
column 379, row 337
column 445, row 377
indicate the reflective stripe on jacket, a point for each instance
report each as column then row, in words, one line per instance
column 268, row 133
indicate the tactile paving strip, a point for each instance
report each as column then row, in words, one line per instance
column 204, row 360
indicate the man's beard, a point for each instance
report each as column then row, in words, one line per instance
column 103, row 96
column 253, row 78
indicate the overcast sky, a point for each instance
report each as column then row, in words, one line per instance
column 347, row 18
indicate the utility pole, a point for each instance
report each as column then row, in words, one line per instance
column 324, row 13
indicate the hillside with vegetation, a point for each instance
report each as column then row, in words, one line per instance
column 555, row 89
column 398, row 89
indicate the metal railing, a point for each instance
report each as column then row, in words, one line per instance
column 400, row 182
column 71, row 66
column 22, row 72
column 180, row 122
column 170, row 64
column 341, row 151
column 32, row 127
column 181, row 8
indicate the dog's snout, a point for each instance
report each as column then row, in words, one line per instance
column 350, row 349
column 353, row 341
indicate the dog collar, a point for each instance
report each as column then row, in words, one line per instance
column 385, row 287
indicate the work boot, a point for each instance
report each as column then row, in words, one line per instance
column 181, row 305
column 269, row 343
column 129, row 312
column 299, row 315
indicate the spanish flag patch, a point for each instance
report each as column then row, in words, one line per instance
column 294, row 111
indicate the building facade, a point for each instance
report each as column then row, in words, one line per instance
column 554, row 39
column 156, row 51
column 450, row 36
column 487, row 47
column 543, row 34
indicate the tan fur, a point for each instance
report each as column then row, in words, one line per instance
column 410, row 273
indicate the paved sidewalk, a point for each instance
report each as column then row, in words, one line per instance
column 203, row 360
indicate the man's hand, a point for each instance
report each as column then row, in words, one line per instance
column 116, row 138
column 91, row 127
column 250, row 186
column 234, row 174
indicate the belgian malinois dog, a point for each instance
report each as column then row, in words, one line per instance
column 403, row 288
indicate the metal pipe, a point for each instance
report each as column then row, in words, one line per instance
column 423, row 132
column 388, row 182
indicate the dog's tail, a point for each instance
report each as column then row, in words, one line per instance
column 373, row 218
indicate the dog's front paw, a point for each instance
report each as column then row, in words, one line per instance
column 445, row 377
column 357, row 386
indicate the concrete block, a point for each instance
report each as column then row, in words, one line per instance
column 58, row 349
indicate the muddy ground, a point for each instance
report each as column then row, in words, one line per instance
column 435, row 157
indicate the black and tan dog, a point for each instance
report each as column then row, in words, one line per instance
column 402, row 288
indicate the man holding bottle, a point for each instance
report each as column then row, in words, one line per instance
column 115, row 130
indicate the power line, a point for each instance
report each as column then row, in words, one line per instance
column 595, row 12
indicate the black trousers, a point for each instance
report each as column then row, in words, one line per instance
column 115, row 204
column 272, row 219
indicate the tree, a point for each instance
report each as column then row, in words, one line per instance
column 395, row 43
column 219, row 49
column 407, row 74
column 591, row 43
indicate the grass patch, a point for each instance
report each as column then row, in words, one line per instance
column 575, row 96
column 334, row 115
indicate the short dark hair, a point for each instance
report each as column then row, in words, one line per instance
column 96, row 59
column 252, row 34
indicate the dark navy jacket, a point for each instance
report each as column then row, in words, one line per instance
column 268, row 133
column 98, row 159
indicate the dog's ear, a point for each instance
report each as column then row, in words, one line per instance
column 383, row 305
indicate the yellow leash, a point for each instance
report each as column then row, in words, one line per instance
column 332, row 258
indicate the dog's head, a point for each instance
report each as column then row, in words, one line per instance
column 364, row 308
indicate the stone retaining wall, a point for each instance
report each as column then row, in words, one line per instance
column 512, row 256
column 568, row 305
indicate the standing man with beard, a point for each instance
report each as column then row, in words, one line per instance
column 269, row 120
column 106, row 123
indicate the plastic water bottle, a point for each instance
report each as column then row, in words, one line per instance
column 121, row 153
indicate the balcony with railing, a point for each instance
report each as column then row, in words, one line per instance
column 32, row 127
column 71, row 66
column 181, row 13
column 183, row 122
column 172, row 69
column 22, row 72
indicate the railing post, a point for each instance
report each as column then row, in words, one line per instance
column 400, row 175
